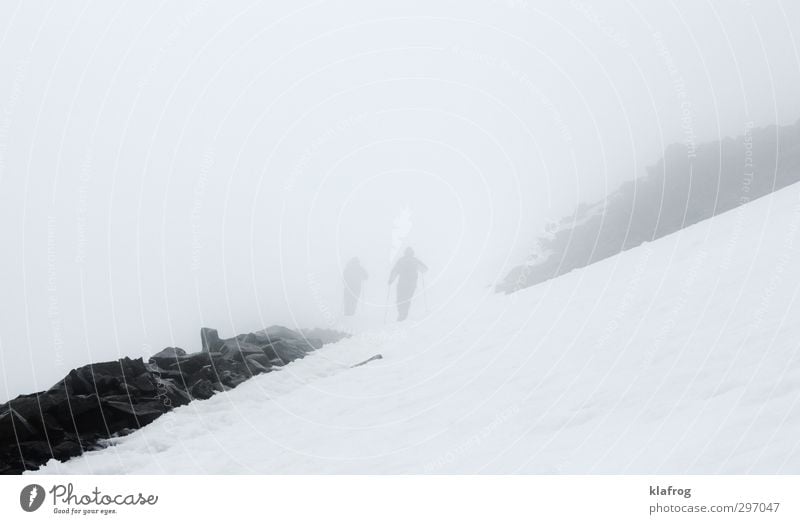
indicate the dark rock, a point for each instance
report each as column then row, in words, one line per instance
column 203, row 389
column 208, row 372
column 209, row 339
column 237, row 350
column 258, row 339
column 99, row 402
column 315, row 343
column 287, row 350
column 279, row 344
column 262, row 359
column 90, row 417
column 75, row 406
column 145, row 383
column 76, row 384
column 142, row 413
column 167, row 356
column 193, row 363
column 102, row 378
column 171, row 394
column 169, row 353
column 33, row 452
column 232, row 379
column 257, row 364
column 66, row 449
column 158, row 372
column 281, row 333
column 52, row 427
column 27, row 406
column 16, row 428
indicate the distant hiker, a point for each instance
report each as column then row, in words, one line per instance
column 354, row 275
column 407, row 268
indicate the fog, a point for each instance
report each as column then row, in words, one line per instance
column 171, row 165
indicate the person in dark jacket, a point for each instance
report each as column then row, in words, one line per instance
column 406, row 270
column 354, row 275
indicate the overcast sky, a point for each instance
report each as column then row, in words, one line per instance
column 171, row 165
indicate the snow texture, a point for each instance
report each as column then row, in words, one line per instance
column 680, row 356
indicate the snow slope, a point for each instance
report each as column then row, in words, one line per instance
column 680, row 356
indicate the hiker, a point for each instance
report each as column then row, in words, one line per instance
column 354, row 275
column 407, row 268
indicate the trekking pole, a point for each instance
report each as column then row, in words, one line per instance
column 425, row 293
column 386, row 307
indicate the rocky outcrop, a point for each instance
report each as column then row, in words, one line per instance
column 210, row 341
column 99, row 401
column 688, row 185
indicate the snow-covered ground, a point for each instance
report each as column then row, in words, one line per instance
column 680, row 356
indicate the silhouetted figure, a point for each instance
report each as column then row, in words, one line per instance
column 407, row 268
column 354, row 275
